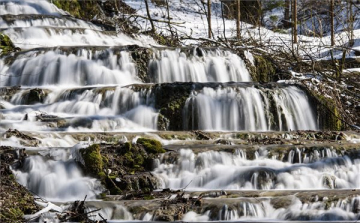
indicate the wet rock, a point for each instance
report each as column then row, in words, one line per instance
column 144, row 182
column 24, row 139
column 6, row 93
column 34, row 96
column 201, row 135
column 163, row 123
column 223, row 142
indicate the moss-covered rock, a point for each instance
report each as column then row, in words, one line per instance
column 264, row 69
column 170, row 100
column 93, row 161
column 151, row 145
column 328, row 113
column 127, row 166
column 6, row 45
column 141, row 56
column 81, row 9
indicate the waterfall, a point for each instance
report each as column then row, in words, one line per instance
column 28, row 7
column 34, row 37
column 222, row 170
column 97, row 109
column 83, row 67
column 202, row 66
column 248, row 108
column 23, row 21
column 58, row 179
column 297, row 211
column 74, row 81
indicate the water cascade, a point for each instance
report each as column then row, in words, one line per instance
column 250, row 109
column 74, row 83
column 201, row 66
column 222, row 170
column 61, row 67
column 82, row 109
column 58, row 178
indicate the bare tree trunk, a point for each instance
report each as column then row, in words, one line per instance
column 223, row 20
column 350, row 23
column 287, row 11
column 332, row 15
column 209, row 17
column 238, row 33
column 168, row 15
column 148, row 14
column 294, row 6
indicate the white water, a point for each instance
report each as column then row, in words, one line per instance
column 221, row 170
column 86, row 110
column 34, row 37
column 109, row 210
column 57, row 179
column 28, row 7
column 212, row 66
column 337, row 211
column 234, row 109
column 63, row 22
column 85, row 67
column 85, row 90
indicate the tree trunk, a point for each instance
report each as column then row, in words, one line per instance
column 209, row 17
column 168, row 15
column 294, row 6
column 238, row 19
column 148, row 14
column 287, row 11
column 350, row 24
column 332, row 15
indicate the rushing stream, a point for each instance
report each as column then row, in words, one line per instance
column 72, row 76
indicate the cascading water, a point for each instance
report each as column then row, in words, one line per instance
column 98, row 109
column 77, row 82
column 201, row 66
column 221, row 170
column 263, row 210
column 58, row 178
column 249, row 108
column 29, row 7
column 57, row 67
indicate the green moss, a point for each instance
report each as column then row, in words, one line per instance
column 151, row 145
column 6, row 45
column 127, row 146
column 170, row 100
column 93, row 160
column 149, row 197
column 264, row 70
column 12, row 215
column 80, row 9
column 115, row 191
column 328, row 114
